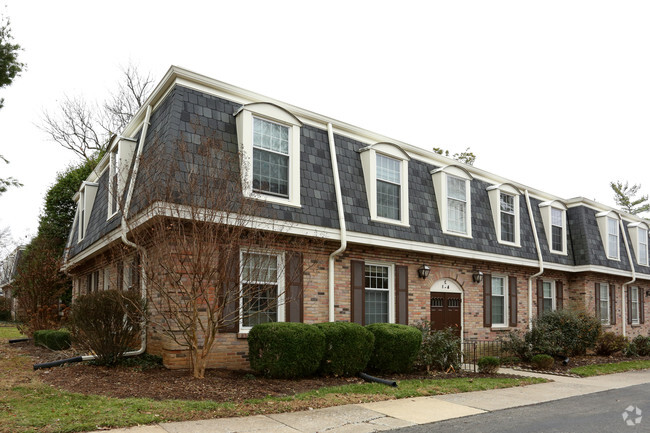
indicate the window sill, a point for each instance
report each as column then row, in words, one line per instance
column 502, row 328
column 242, row 335
column 389, row 221
column 461, row 235
column 510, row 244
column 273, row 199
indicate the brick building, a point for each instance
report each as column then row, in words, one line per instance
column 407, row 234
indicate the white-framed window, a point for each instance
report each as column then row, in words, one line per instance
column 548, row 296
column 388, row 187
column 379, row 297
column 269, row 144
column 499, row 301
column 555, row 223
column 612, row 238
column 507, row 209
column 639, row 239
column 82, row 214
column 385, row 172
column 113, row 185
column 92, row 282
column 608, row 223
column 604, row 303
column 634, row 305
column 452, row 185
column 504, row 201
column 261, row 297
column 85, row 200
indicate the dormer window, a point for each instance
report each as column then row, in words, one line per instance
column 608, row 223
column 504, row 200
column 120, row 158
column 452, row 185
column 269, row 145
column 639, row 239
column 554, row 220
column 85, row 201
column 113, row 182
column 385, row 171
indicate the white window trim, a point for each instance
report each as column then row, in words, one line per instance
column 281, row 283
column 553, row 294
column 546, row 210
column 506, row 306
column 85, row 200
column 276, row 114
column 391, row 287
column 609, row 305
column 439, row 178
column 369, row 166
column 122, row 151
column 635, row 230
column 603, row 219
column 636, row 321
column 494, row 194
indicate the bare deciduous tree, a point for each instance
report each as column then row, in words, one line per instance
column 214, row 259
column 85, row 127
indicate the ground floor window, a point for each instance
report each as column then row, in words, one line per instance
column 634, row 305
column 548, row 293
column 377, row 296
column 499, row 304
column 261, row 289
column 603, row 303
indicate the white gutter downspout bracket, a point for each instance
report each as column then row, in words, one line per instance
column 341, row 212
column 539, row 257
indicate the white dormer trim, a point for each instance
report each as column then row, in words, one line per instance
column 272, row 113
column 369, row 165
column 440, row 179
column 639, row 242
column 494, row 194
column 604, row 219
column 546, row 209
column 86, row 199
column 120, row 157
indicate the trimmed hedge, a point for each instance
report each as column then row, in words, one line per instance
column 396, row 347
column 348, row 347
column 542, row 362
column 285, row 350
column 488, row 364
column 53, row 339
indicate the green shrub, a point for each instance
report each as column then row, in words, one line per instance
column 639, row 346
column 348, row 347
column 609, row 343
column 396, row 347
column 542, row 362
column 509, row 360
column 440, row 350
column 488, row 364
column 107, row 323
column 567, row 332
column 285, row 350
column 53, row 339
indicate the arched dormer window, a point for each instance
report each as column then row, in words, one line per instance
column 504, row 201
column 608, row 225
column 639, row 237
column 269, row 143
column 554, row 220
column 452, row 185
column 385, row 171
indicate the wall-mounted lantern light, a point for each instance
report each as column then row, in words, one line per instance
column 423, row 271
column 477, row 277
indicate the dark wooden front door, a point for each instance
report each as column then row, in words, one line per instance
column 445, row 310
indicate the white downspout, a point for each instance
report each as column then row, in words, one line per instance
column 341, row 212
column 539, row 257
column 125, row 213
column 629, row 258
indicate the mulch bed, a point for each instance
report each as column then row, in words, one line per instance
column 160, row 383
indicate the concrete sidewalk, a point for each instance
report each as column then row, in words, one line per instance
column 387, row 415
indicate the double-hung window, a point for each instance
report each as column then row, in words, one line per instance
column 499, row 304
column 388, row 187
column 634, row 305
column 456, row 205
column 612, row 238
column 261, row 289
column 507, row 209
column 377, row 294
column 643, row 246
column 557, row 230
column 114, row 171
column 548, row 296
column 82, row 214
column 604, row 303
column 270, row 158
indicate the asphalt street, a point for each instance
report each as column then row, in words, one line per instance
column 591, row 413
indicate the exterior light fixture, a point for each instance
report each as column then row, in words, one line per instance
column 477, row 277
column 423, row 271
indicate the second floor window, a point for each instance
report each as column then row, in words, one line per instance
column 643, row 246
column 388, row 187
column 612, row 238
column 507, row 208
column 114, row 173
column 456, row 205
column 270, row 158
column 557, row 230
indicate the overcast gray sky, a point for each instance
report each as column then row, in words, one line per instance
column 552, row 94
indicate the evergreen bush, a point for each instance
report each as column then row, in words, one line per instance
column 285, row 350
column 639, row 346
column 542, row 362
column 488, row 364
column 396, row 347
column 53, row 339
column 348, row 347
column 610, row 343
column 440, row 349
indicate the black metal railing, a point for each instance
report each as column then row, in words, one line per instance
column 474, row 350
